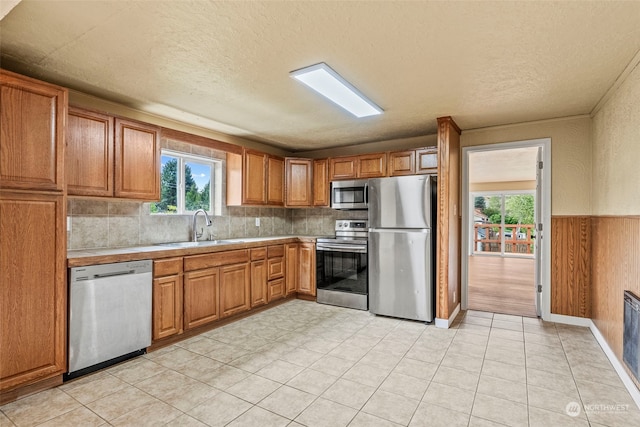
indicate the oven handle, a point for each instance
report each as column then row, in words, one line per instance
column 342, row 248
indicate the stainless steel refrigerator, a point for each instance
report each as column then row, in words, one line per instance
column 401, row 247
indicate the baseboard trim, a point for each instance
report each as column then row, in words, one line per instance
column 446, row 323
column 568, row 320
column 622, row 373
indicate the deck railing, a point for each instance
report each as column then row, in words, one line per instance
column 518, row 238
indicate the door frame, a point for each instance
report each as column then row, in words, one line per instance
column 545, row 259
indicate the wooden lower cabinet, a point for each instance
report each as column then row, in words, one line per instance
column 258, row 283
column 167, row 306
column 235, row 289
column 201, row 296
column 33, row 288
column 292, row 268
column 307, row 265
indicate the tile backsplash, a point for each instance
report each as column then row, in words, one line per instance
column 113, row 224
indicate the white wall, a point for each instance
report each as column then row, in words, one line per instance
column 570, row 157
column 616, row 151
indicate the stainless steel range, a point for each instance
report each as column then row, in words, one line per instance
column 341, row 261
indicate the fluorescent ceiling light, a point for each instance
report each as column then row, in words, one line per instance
column 328, row 83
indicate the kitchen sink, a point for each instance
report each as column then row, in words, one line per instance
column 198, row 244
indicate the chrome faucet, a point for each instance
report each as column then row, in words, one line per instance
column 193, row 228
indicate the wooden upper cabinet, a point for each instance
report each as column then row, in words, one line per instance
column 363, row 166
column 298, row 177
column 275, row 180
column 402, row 163
column 89, row 154
column 321, row 182
column 343, row 168
column 137, row 160
column 427, row 160
column 32, row 128
column 254, row 179
column 372, row 165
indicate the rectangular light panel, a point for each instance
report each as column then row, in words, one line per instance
column 331, row 85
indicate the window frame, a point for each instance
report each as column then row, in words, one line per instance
column 215, row 174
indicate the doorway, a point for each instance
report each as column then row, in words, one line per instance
column 504, row 207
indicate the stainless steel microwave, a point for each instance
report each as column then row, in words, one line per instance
column 349, row 194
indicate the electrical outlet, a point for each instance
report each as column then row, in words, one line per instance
column 257, row 222
column 455, row 297
column 68, row 223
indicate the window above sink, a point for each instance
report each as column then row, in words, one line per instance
column 188, row 183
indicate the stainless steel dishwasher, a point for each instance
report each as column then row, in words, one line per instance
column 109, row 314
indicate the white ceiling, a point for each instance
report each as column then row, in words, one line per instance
column 513, row 164
column 224, row 65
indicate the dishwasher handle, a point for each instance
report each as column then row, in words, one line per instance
column 103, row 271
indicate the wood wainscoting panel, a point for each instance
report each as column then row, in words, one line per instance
column 571, row 265
column 616, row 251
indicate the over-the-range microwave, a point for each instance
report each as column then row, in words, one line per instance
column 349, row 194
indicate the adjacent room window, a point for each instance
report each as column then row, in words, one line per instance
column 188, row 183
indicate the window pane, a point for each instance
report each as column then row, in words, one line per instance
column 487, row 218
column 197, row 186
column 519, row 210
column 168, row 186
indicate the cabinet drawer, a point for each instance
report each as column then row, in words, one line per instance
column 198, row 262
column 167, row 267
column 275, row 290
column 258, row 254
column 275, row 268
column 275, row 251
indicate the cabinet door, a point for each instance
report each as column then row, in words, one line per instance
column 292, row 268
column 235, row 291
column 427, row 160
column 372, row 165
column 201, row 295
column 343, row 168
column 33, row 288
column 137, row 160
column 275, row 290
column 402, row 163
column 254, row 182
column 167, row 306
column 321, row 182
column 89, row 155
column 275, row 181
column 32, row 126
column 258, row 283
column 307, row 262
column 298, row 174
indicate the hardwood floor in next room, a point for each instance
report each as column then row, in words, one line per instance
column 502, row 285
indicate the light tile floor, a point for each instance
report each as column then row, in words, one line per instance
column 303, row 363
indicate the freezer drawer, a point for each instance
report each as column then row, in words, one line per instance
column 401, row 274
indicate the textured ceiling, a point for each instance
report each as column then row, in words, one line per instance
column 513, row 164
column 225, row 65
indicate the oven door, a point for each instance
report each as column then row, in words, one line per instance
column 341, row 276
